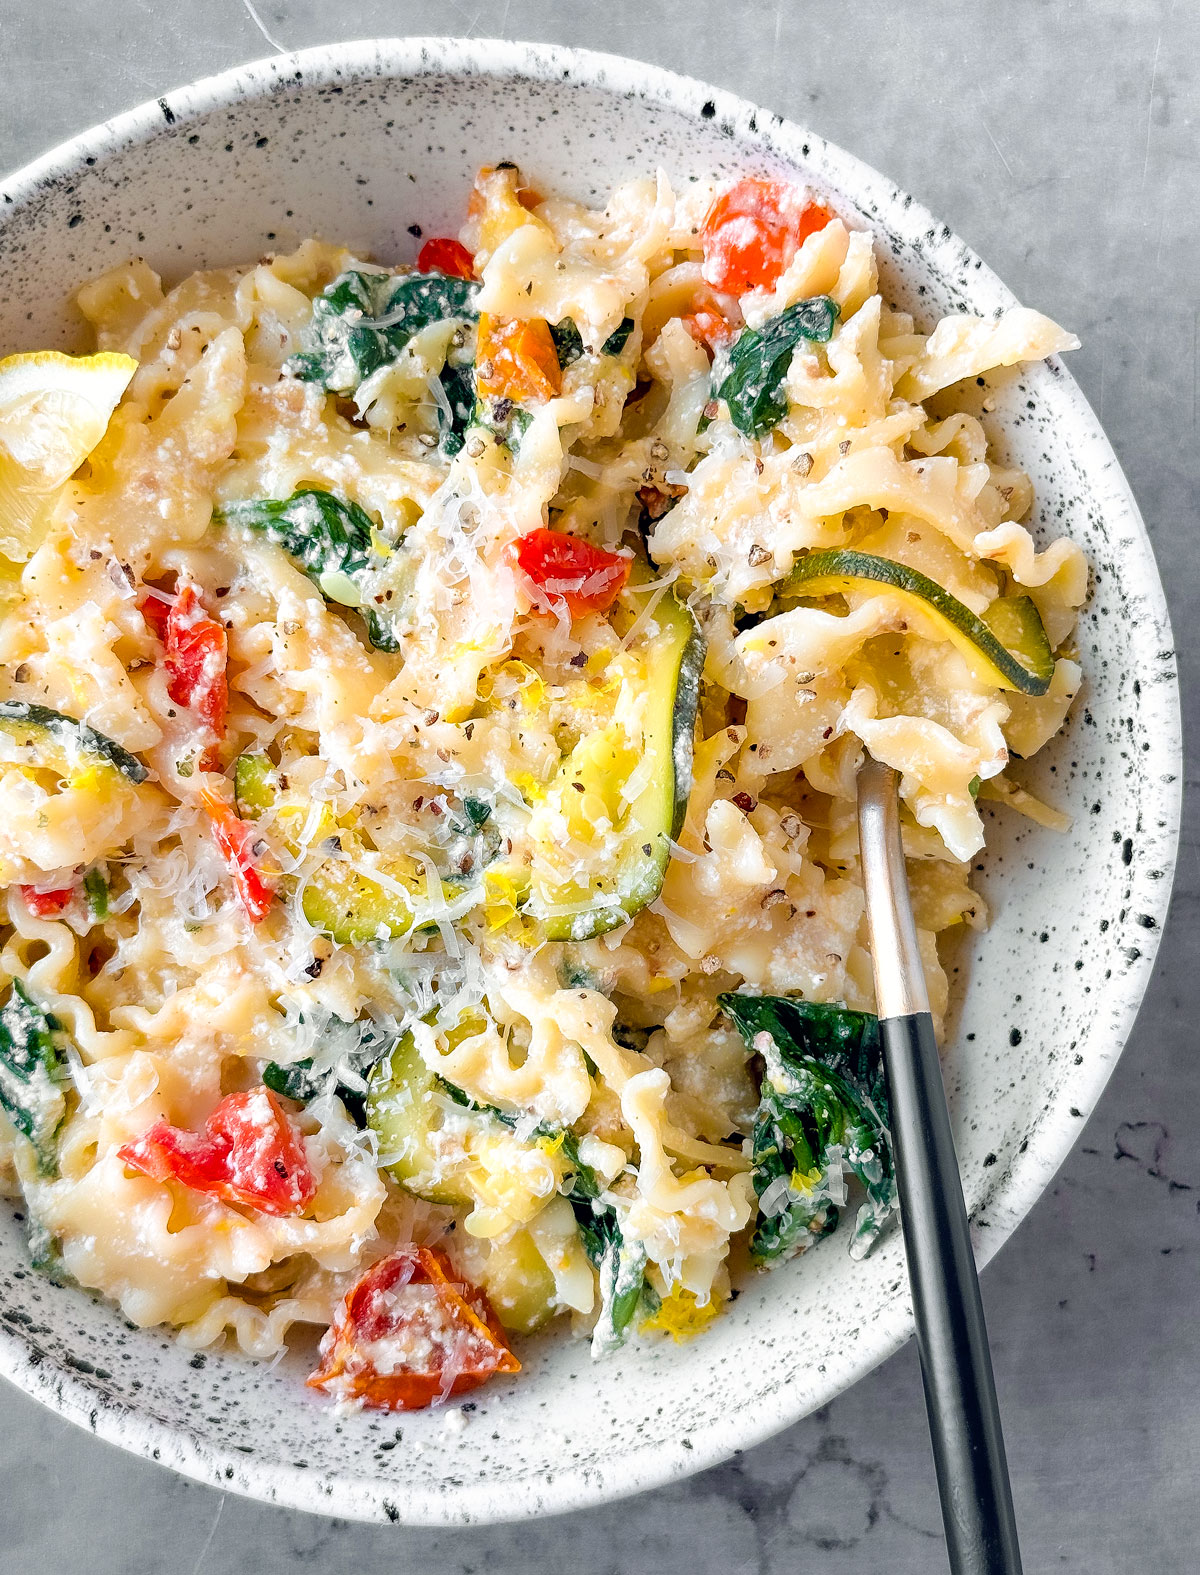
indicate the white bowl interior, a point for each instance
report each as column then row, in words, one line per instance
column 361, row 143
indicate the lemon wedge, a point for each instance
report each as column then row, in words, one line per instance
column 54, row 409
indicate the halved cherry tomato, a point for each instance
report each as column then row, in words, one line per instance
column 515, row 359
column 46, row 904
column 753, row 230
column 410, row 1332
column 196, row 655
column 446, row 256
column 566, row 568
column 236, row 839
column 248, row 1153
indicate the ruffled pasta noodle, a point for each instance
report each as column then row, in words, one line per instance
column 170, row 999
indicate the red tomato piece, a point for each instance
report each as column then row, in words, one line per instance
column 46, row 904
column 236, row 838
column 155, row 608
column 446, row 256
column 195, row 659
column 753, row 230
column 565, row 568
column 411, row 1333
column 248, row 1153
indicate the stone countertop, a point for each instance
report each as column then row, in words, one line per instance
column 1061, row 142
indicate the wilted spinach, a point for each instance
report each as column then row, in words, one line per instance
column 362, row 321
column 33, row 1071
column 363, row 1043
column 326, row 535
column 568, row 342
column 759, row 361
column 823, row 1112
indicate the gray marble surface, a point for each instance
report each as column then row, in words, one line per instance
column 1060, row 140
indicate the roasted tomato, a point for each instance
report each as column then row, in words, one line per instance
column 753, row 230
column 195, row 656
column 446, row 256
column 248, row 1153
column 237, row 839
column 410, row 1333
column 515, row 359
column 46, row 904
column 565, row 568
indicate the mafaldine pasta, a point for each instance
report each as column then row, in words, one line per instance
column 430, row 706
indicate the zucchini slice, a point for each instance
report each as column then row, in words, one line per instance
column 602, row 877
column 339, row 898
column 406, row 1104
column 1006, row 647
column 59, row 743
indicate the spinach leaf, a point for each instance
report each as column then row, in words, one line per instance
column 621, row 1269
column 326, row 535
column 620, row 1265
column 365, row 1043
column 568, row 341
column 619, row 337
column 458, row 384
column 759, row 361
column 478, row 811
column 362, row 321
column 823, row 1111
column 32, row 1073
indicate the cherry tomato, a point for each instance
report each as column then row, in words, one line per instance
column 446, row 256
column 196, row 654
column 753, row 230
column 515, row 359
column 46, row 904
column 409, row 1333
column 248, row 1153
column 236, row 839
column 566, row 568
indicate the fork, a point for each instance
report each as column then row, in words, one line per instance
column 956, row 1365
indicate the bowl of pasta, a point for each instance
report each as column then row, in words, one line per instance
column 465, row 510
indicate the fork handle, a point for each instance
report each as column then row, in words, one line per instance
column 956, row 1368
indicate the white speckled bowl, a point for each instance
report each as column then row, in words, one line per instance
column 365, row 142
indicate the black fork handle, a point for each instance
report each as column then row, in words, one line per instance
column 956, row 1366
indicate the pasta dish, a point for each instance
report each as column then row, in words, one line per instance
column 430, row 704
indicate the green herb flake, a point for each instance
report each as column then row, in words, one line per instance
column 759, row 361
column 32, row 1073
